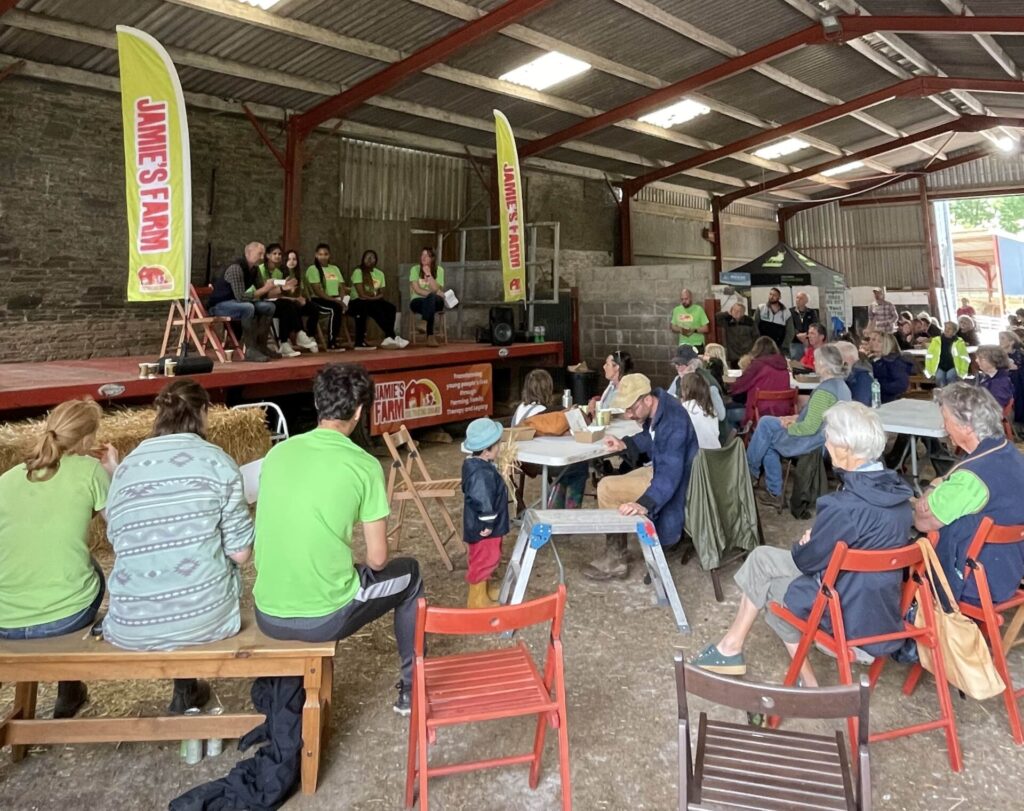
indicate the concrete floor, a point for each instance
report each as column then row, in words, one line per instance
column 622, row 728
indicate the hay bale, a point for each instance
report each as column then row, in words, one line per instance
column 243, row 434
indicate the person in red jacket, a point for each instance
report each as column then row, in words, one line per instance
column 768, row 371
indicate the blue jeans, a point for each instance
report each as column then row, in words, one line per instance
column 796, row 350
column 243, row 311
column 944, row 378
column 734, row 415
column 770, row 443
column 66, row 625
column 427, row 307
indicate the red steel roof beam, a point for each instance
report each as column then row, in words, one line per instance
column 7, row 5
column 808, row 36
column 918, row 86
column 857, row 26
column 438, row 51
column 967, row 123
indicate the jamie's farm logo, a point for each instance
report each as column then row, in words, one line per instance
column 153, row 174
column 154, row 278
column 400, row 400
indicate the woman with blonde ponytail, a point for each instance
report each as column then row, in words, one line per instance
column 49, row 584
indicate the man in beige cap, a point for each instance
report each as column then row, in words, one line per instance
column 657, row 490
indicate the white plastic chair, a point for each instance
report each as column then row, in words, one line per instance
column 279, row 431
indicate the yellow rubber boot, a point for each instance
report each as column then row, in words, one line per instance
column 493, row 590
column 478, row 597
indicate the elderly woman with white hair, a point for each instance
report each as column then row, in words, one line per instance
column 871, row 510
column 793, row 436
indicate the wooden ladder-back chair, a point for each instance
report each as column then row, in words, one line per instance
column 487, row 685
column 740, row 766
column 404, row 486
column 989, row 615
column 197, row 316
column 843, row 560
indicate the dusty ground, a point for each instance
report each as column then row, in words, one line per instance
column 621, row 702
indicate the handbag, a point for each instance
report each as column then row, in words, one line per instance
column 550, row 423
column 965, row 654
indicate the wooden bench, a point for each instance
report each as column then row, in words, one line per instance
column 248, row 655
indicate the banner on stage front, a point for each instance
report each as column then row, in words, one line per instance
column 430, row 397
column 158, row 182
column 513, row 222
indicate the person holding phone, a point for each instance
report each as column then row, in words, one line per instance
column 426, row 284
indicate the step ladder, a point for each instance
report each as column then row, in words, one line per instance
column 539, row 526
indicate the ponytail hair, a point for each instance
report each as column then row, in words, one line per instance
column 65, row 431
column 180, row 407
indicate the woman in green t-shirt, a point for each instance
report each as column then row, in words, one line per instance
column 426, row 283
column 368, row 283
column 49, row 583
column 329, row 290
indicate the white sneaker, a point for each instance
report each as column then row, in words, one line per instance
column 400, row 342
column 303, row 341
column 388, row 343
column 287, row 351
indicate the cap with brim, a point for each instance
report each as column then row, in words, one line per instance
column 684, row 355
column 631, row 388
column 481, row 434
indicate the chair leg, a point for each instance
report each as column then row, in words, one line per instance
column 716, row 583
column 785, row 480
column 1009, row 696
column 25, row 709
column 432, row 531
column 312, row 714
column 410, row 763
column 1013, row 629
column 538, row 749
column 326, row 699
column 942, row 691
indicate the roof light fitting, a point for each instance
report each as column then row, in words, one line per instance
column 678, row 113
column 830, row 23
column 786, row 146
column 263, row 4
column 545, row 71
column 846, row 167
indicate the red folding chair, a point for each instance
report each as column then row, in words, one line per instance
column 1008, row 421
column 788, row 397
column 989, row 615
column 848, row 560
column 487, row 685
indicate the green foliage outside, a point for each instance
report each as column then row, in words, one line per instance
column 1005, row 213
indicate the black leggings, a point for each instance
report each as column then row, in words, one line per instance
column 380, row 310
column 427, row 307
column 291, row 315
column 397, row 586
column 336, row 311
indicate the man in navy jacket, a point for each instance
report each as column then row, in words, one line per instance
column 657, row 490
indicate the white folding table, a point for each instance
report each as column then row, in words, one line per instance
column 539, row 525
column 915, row 418
column 732, row 375
column 562, row 451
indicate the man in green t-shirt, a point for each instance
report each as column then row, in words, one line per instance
column 328, row 292
column 689, row 321
column 314, row 489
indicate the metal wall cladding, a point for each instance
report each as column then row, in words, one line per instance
column 682, row 198
column 992, row 172
column 883, row 245
column 396, row 184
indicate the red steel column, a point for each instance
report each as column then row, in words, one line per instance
column 931, row 243
column 716, row 229
column 626, row 229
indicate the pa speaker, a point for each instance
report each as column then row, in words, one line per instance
column 503, row 325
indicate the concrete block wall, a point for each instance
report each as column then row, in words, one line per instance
column 628, row 308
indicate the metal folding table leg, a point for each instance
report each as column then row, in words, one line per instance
column 661, row 578
column 515, row 562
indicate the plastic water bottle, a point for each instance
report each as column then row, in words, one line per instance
column 567, row 399
column 876, row 394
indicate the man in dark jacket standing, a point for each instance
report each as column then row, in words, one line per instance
column 236, row 296
column 657, row 490
column 871, row 511
column 803, row 316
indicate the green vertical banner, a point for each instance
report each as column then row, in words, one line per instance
column 158, row 175
column 510, row 203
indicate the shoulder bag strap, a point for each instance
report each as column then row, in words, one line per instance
column 934, row 571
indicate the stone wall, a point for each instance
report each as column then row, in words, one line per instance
column 628, row 308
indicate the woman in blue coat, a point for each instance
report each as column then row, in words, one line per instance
column 889, row 367
column 870, row 511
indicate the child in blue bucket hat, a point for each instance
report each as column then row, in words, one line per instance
column 485, row 511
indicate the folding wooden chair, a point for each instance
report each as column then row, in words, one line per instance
column 487, row 685
column 989, row 615
column 403, row 486
column 440, row 329
column 740, row 766
column 837, row 643
column 198, row 317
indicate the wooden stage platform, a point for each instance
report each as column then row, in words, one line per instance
column 27, row 388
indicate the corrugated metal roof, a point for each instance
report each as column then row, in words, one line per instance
column 604, row 27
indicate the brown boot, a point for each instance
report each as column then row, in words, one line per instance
column 478, row 597
column 614, row 564
column 432, row 341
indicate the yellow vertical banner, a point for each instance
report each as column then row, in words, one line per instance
column 158, row 182
column 510, row 203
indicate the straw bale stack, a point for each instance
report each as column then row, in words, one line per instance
column 242, row 434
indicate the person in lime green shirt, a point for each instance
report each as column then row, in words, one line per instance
column 287, row 309
column 49, row 584
column 314, row 489
column 689, row 321
column 426, row 286
column 329, row 291
column 368, row 284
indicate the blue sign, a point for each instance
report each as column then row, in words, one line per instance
column 735, row 278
